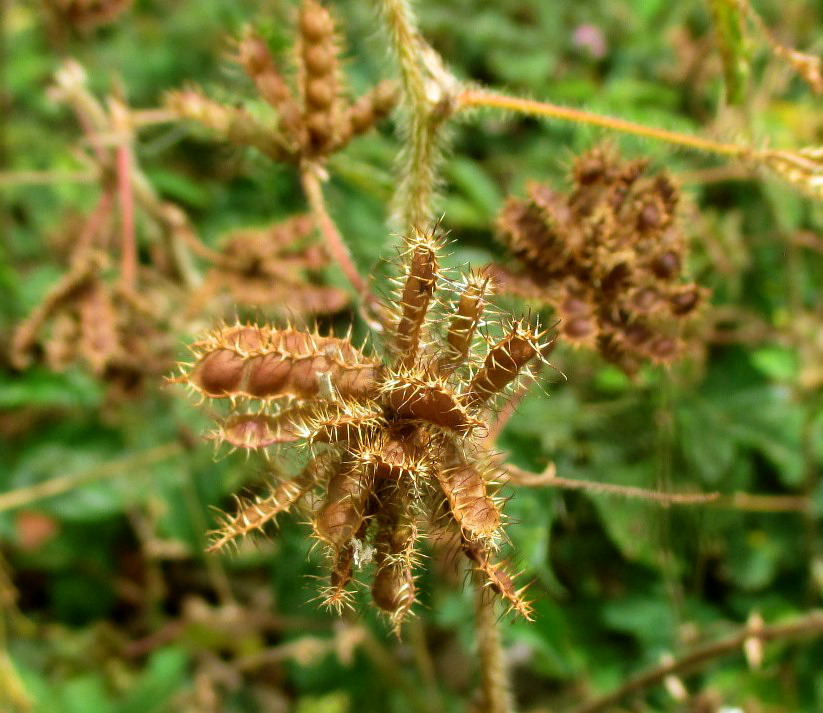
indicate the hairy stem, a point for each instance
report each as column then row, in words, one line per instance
column 494, row 685
column 810, row 624
column 473, row 98
column 424, row 101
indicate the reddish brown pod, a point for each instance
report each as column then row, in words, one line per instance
column 608, row 257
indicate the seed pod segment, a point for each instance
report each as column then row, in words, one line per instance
column 416, row 297
column 504, row 363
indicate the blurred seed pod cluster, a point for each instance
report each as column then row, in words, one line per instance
column 278, row 267
column 608, row 257
column 391, row 447
column 313, row 116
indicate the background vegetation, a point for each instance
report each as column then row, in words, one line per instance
column 109, row 603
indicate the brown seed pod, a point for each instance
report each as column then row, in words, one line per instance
column 393, row 586
column 257, row 431
column 474, row 511
column 498, row 578
column 343, row 512
column 99, row 339
column 467, row 317
column 416, row 296
column 431, row 400
column 256, row 59
column 319, row 77
column 256, row 363
column 252, row 515
column 504, row 363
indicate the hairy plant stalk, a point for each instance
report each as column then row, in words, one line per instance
column 425, row 105
column 494, row 684
column 809, row 625
column 473, row 98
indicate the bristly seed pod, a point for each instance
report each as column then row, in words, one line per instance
column 504, row 363
column 398, row 439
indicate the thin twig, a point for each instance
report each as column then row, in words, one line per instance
column 56, row 486
column 13, row 179
column 473, row 98
column 810, row 624
column 548, row 478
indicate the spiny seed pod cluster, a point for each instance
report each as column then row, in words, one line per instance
column 608, row 257
column 87, row 318
column 277, row 266
column 314, row 118
column 85, row 15
column 392, row 446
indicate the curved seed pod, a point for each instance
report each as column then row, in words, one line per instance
column 472, row 508
column 466, row 318
column 253, row 514
column 343, row 512
column 369, row 109
column 346, row 421
column 416, row 297
column 430, row 400
column 99, row 340
column 498, row 578
column 503, row 364
column 261, row 363
column 257, row 430
column 259, row 65
column 393, row 586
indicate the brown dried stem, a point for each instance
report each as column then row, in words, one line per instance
column 809, row 625
column 494, row 685
column 310, row 179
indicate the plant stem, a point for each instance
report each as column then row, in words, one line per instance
column 473, row 98
column 56, row 486
column 123, row 162
column 494, row 684
column 331, row 236
column 810, row 624
column 422, row 95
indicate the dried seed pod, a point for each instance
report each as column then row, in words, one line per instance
column 266, row 364
column 343, row 512
column 504, row 363
column 473, row 509
column 319, row 78
column 256, row 59
column 464, row 323
column 498, row 578
column 393, row 586
column 99, row 340
column 257, row 431
column 369, row 109
column 431, row 400
column 252, row 515
column 340, row 422
column 416, row 297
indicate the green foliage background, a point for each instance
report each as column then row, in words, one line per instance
column 619, row 583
